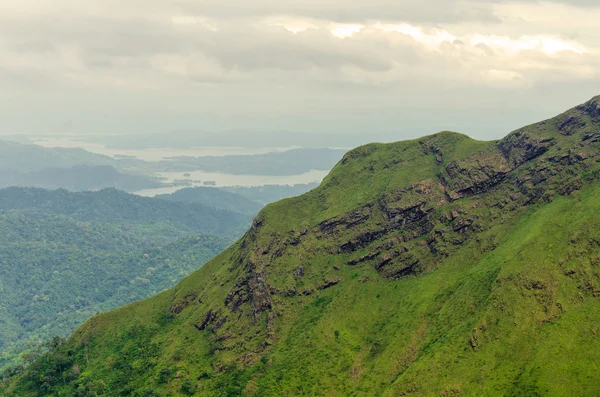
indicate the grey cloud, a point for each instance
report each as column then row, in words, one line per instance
column 110, row 36
column 576, row 3
column 118, row 44
column 117, row 49
column 423, row 11
column 249, row 49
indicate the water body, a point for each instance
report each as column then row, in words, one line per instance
column 195, row 177
column 153, row 154
column 198, row 178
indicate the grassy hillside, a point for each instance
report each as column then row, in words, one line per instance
column 436, row 267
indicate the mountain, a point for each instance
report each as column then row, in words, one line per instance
column 17, row 138
column 27, row 158
column 78, row 178
column 215, row 198
column 440, row 266
column 246, row 139
column 68, row 168
column 66, row 256
column 291, row 162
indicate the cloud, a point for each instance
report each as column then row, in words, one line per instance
column 315, row 54
column 434, row 11
column 100, row 48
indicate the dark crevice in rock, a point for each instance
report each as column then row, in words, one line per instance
column 178, row 306
column 521, row 146
column 213, row 319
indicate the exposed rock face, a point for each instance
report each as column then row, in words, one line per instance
column 522, row 146
column 212, row 318
column 592, row 108
column 252, row 288
column 569, row 124
column 476, row 174
column 328, row 284
column 299, row 272
column 259, row 292
column 362, row 241
column 178, row 306
column 415, row 212
column 347, row 221
column 407, row 231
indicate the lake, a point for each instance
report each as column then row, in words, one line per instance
column 158, row 154
column 222, row 180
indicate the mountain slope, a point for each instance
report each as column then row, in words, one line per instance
column 440, row 266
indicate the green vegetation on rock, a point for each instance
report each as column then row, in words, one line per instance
column 436, row 267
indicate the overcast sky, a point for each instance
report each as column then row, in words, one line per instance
column 401, row 67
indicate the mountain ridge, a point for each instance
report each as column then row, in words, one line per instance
column 439, row 227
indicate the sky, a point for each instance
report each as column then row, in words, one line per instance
column 383, row 69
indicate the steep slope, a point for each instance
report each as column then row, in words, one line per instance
column 440, row 266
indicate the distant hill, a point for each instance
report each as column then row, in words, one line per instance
column 18, row 138
column 78, row 178
column 441, row 266
column 27, row 158
column 111, row 205
column 215, row 198
column 291, row 162
column 69, row 168
column 269, row 193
